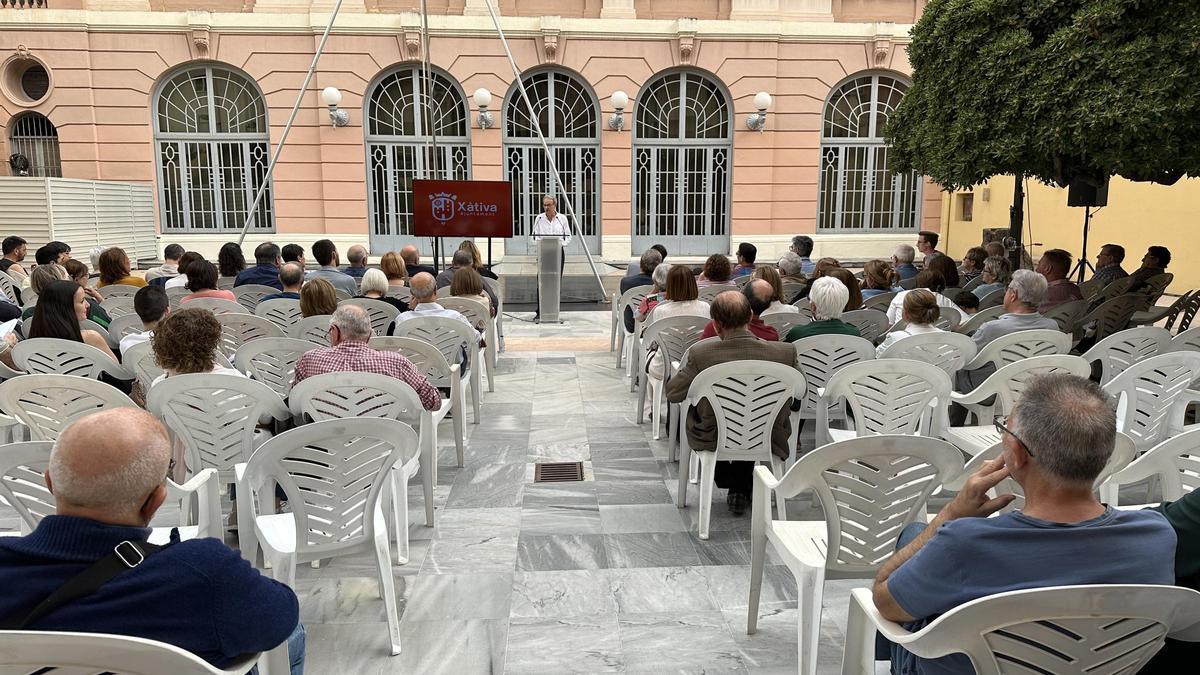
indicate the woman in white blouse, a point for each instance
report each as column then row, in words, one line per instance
column 921, row 311
column 779, row 303
column 929, row 280
column 682, row 295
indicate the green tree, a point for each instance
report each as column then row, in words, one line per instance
column 1059, row 90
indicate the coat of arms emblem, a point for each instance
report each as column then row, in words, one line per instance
column 443, row 206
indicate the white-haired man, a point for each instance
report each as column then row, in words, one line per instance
column 1021, row 299
column 902, row 261
column 349, row 351
column 827, row 300
column 106, row 473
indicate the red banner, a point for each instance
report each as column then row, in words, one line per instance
column 462, row 208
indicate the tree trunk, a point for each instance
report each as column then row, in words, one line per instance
column 1016, row 218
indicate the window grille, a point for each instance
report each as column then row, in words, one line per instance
column 35, row 137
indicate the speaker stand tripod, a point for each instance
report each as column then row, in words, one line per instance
column 1083, row 264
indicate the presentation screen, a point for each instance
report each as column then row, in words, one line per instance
column 462, row 208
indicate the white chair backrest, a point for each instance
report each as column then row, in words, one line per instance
column 333, row 473
column 1008, row 382
column 633, row 297
column 1021, row 345
column 88, row 653
column 22, row 484
column 783, row 322
column 238, row 329
column 992, row 299
column 979, row 318
column 1067, row 314
column 341, row 295
column 710, row 293
column 1157, row 285
column 674, row 335
column 1188, row 340
column 338, row 395
column 1125, row 348
column 746, row 398
column 50, row 356
column 313, row 328
column 892, row 396
column 214, row 416
column 122, row 326
column 217, row 306
column 871, row 323
column 118, row 291
column 427, row 358
column 248, row 295
column 450, row 336
column 272, row 360
column 1152, row 396
column 1114, row 315
column 820, row 356
column 870, row 488
column 403, row 293
column 9, row 286
column 283, row 312
column 880, row 302
column 791, row 289
column 226, row 283
column 117, row 306
column 946, row 350
column 382, row 314
column 477, row 313
column 86, row 324
column 175, row 294
column 948, row 320
column 1176, row 462
column 139, row 359
column 48, row 403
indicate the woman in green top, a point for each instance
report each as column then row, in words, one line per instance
column 827, row 300
column 78, row 272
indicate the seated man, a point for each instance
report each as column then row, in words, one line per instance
column 649, row 262
column 357, row 257
column 1021, row 300
column 151, row 305
column 1055, row 265
column 759, row 294
column 902, row 262
column 293, row 253
column 106, row 473
column 1154, row 263
column 349, row 333
column 170, row 267
column 291, row 278
column 463, row 258
column 424, row 303
column 266, row 268
column 731, row 314
column 747, row 253
column 412, row 262
column 1108, row 265
column 1056, row 442
column 327, row 257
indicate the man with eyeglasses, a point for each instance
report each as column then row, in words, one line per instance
column 1056, row 442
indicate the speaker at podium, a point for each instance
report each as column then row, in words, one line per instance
column 549, row 276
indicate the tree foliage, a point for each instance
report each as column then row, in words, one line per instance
column 1060, row 90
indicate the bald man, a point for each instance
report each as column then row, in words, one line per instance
column 106, row 473
column 412, row 262
column 357, row 257
column 759, row 293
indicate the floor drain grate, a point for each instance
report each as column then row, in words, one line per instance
column 557, row 472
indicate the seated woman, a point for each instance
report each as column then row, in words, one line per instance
column 467, row 283
column 374, row 287
column 717, row 271
column 317, row 298
column 184, row 263
column 879, row 278
column 393, row 269
column 60, row 308
column 202, row 282
column 115, row 269
column 946, row 267
column 930, row 280
column 658, row 295
column 996, row 275
column 230, row 260
column 78, row 272
column 681, row 299
column 484, row 270
column 921, row 311
column 186, row 341
column 780, row 304
column 855, row 299
column 41, row 277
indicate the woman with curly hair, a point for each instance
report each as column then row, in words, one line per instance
column 185, row 342
column 317, row 297
column 717, row 271
column 230, row 260
column 114, row 269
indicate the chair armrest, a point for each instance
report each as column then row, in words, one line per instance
column 862, row 600
column 197, row 481
column 977, row 395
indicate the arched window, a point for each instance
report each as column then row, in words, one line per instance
column 568, row 115
column 857, row 190
column 401, row 133
column 35, row 138
column 211, row 133
column 682, row 142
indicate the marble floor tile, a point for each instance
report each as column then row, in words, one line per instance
column 641, row 518
column 650, row 549
column 488, row 486
column 561, row 594
column 560, row 508
column 554, row 451
column 476, row 595
column 660, row 589
column 348, row 599
column 457, row 523
column 564, row 645
column 561, row 552
column 730, row 585
column 624, row 450
column 627, row 469
column 679, row 641
column 447, row 647
column 723, row 547
column 348, row 648
column 617, row 492
column 482, row 553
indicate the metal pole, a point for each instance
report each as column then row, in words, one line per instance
column 545, row 147
column 1016, row 218
column 262, row 189
column 431, row 132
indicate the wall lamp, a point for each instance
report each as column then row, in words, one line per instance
column 332, row 97
column 483, row 99
column 616, row 121
column 756, row 121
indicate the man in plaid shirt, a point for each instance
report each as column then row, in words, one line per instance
column 1108, row 265
column 349, row 331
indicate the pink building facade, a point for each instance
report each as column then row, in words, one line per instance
column 193, row 97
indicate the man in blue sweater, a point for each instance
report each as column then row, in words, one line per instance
column 106, row 473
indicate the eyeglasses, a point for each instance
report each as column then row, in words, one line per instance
column 1001, row 424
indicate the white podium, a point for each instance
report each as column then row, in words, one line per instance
column 549, row 277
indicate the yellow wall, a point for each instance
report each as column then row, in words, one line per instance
column 1138, row 215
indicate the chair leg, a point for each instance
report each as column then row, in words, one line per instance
column 858, row 656
column 475, row 393
column 695, row 471
column 641, row 403
column 684, row 464
column 758, row 554
column 656, row 406
column 780, row 502
column 708, row 472
column 388, row 589
column 673, row 432
column 620, row 346
column 810, row 582
column 400, row 513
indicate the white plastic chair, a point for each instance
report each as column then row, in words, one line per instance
column 30, row 651
column 313, row 328
column 239, row 329
column 886, row 396
column 51, row 356
column 382, row 314
column 343, row 395
column 710, row 293
column 632, row 299
column 1067, row 315
column 441, row 374
column 1023, row 344
column 1175, row 462
column 272, row 361
column 1111, row 316
column 880, row 302
column 139, row 359
column 673, row 335
column 215, row 417
column 283, row 312
column 1155, row 313
column 122, row 326
column 746, row 398
column 948, row 320
column 492, row 285
column 783, row 322
column 248, row 295
column 1188, row 340
column 117, row 306
column 993, row 299
column 869, row 488
column 1065, row 630
column 479, row 315
column 1006, row 385
column 118, row 291
column 9, row 286
column 1153, row 395
column 451, row 337
column 979, row 318
column 1124, row 348
column 46, row 404
column 946, row 350
column 791, row 289
column 217, row 306
column 86, row 324
column 175, row 294
column 226, row 283
column 818, row 358
column 871, row 323
column 333, row 473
